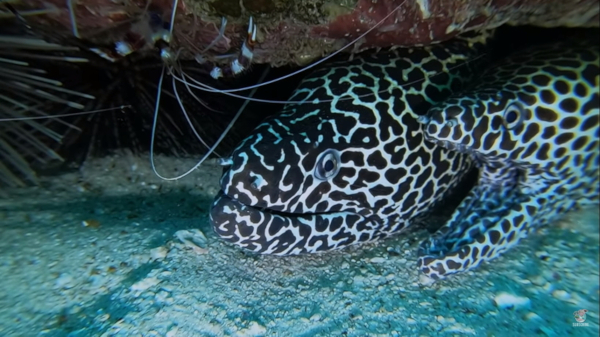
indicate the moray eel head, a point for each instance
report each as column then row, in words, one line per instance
column 531, row 116
column 484, row 125
column 288, row 186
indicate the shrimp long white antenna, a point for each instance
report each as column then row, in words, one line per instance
column 172, row 23
column 299, row 71
column 200, row 101
column 229, row 91
column 157, row 104
column 154, row 122
column 73, row 114
column 212, row 148
column 220, row 36
column 73, row 19
column 205, row 87
column 186, row 79
column 187, row 118
column 33, row 12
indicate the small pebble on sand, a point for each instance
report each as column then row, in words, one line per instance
column 194, row 239
column 425, row 281
column 91, row 223
column 65, row 281
column 561, row 295
column 145, row 284
column 158, row 253
column 254, row 329
column 531, row 316
column 509, row 301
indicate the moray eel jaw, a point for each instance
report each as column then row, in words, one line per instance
column 300, row 197
column 276, row 233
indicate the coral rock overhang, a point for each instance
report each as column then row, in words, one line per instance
column 297, row 32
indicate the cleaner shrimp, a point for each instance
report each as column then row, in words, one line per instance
column 160, row 36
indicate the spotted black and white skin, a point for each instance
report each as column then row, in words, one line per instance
column 350, row 164
column 532, row 124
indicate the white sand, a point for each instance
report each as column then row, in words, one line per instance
column 127, row 274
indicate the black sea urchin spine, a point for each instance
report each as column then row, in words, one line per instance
column 29, row 94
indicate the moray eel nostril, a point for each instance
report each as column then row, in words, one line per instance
column 423, row 120
column 352, row 165
column 225, row 161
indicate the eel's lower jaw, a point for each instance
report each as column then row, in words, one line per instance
column 282, row 234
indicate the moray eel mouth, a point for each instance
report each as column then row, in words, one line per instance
column 451, row 146
column 431, row 135
column 267, row 231
column 458, row 147
column 232, row 202
column 477, row 157
column 443, row 132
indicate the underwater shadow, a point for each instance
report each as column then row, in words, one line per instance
column 82, row 323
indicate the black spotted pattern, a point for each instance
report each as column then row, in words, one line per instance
column 541, row 162
column 352, row 164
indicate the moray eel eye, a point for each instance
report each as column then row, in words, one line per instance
column 513, row 116
column 327, row 165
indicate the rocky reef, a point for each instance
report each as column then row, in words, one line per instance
column 300, row 31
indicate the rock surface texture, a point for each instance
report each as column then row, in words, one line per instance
column 297, row 32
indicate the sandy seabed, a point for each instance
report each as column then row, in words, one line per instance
column 112, row 250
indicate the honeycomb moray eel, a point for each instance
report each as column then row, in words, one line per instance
column 531, row 123
column 349, row 165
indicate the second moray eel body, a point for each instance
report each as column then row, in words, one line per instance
column 532, row 124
